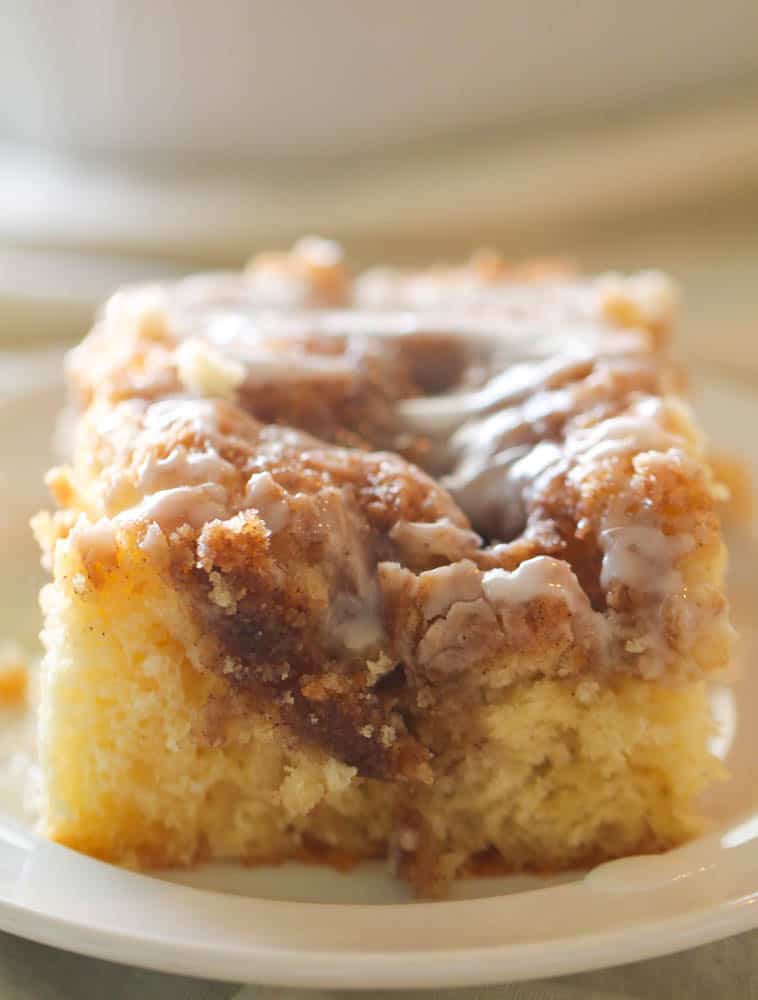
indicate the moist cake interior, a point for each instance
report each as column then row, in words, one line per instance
column 419, row 565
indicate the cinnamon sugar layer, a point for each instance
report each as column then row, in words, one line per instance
column 564, row 524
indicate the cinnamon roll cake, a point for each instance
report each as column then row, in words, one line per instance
column 422, row 565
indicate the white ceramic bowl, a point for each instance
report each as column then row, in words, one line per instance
column 235, row 81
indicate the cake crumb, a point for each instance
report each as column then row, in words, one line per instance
column 230, row 665
column 312, row 272
column 387, row 736
column 408, row 840
column 586, row 691
column 14, row 675
column 140, row 313
column 338, row 775
column 648, row 300
column 638, row 645
column 222, row 594
column 207, row 372
column 379, row 667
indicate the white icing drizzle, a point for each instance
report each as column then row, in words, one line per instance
column 441, row 588
column 160, row 513
column 494, row 490
column 640, row 429
column 497, row 470
column 293, row 366
column 539, row 577
column 193, row 505
column 198, row 415
column 442, row 538
column 182, row 468
column 440, row 415
column 643, row 557
column 276, row 288
column 460, row 597
column 651, row 294
column 205, row 371
column 95, row 540
column 265, row 495
column 238, row 313
column 355, row 624
column 154, row 543
column 490, row 438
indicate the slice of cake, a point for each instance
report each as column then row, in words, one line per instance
column 436, row 574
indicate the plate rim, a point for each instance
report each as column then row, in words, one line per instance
column 34, row 916
column 259, row 963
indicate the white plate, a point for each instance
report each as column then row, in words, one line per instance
column 302, row 926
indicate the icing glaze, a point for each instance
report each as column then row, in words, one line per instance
column 555, row 380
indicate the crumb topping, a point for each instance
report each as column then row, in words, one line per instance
column 382, row 517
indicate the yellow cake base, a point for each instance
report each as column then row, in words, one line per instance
column 564, row 770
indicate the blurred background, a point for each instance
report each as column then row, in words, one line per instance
column 142, row 138
column 147, row 137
